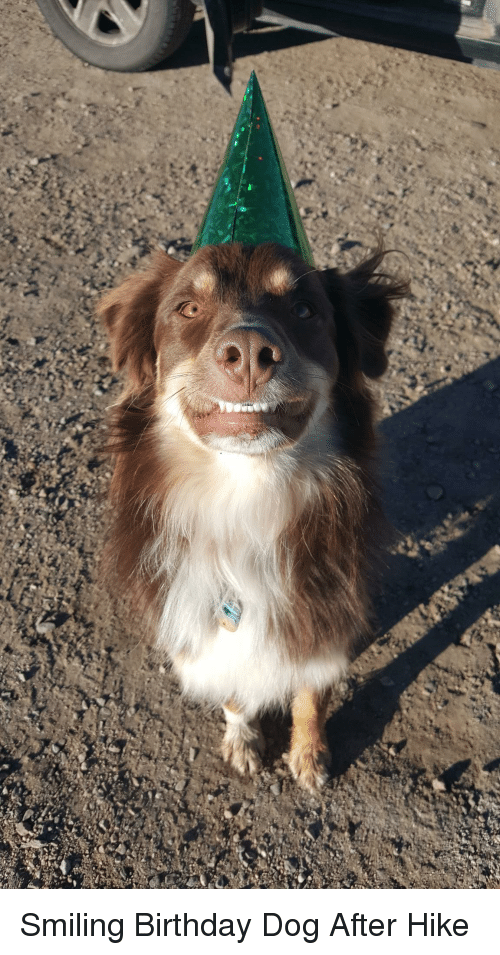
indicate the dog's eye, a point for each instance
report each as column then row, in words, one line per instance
column 303, row 310
column 189, row 310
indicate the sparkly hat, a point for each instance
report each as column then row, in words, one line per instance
column 252, row 200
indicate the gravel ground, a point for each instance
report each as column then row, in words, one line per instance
column 108, row 778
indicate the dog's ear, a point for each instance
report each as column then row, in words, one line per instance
column 129, row 315
column 365, row 296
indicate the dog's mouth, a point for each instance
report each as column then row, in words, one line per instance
column 250, row 419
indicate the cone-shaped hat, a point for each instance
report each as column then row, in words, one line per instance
column 253, row 201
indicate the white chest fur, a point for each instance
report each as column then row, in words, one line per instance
column 252, row 673
column 230, row 518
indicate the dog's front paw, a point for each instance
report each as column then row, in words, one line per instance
column 309, row 766
column 243, row 746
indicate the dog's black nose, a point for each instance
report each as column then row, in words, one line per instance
column 248, row 356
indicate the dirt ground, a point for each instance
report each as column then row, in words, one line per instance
column 108, row 778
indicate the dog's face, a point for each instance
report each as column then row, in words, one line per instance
column 245, row 345
column 241, row 344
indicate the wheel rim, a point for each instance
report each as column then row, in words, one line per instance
column 109, row 22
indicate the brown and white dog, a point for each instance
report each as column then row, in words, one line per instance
column 244, row 478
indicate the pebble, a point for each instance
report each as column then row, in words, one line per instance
column 276, row 789
column 22, row 830
column 45, row 624
column 193, row 752
column 438, row 785
column 314, row 830
column 435, row 492
column 66, row 866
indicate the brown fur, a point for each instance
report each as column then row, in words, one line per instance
column 330, row 548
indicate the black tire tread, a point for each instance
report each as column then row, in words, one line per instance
column 135, row 57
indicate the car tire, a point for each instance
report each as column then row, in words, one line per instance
column 124, row 35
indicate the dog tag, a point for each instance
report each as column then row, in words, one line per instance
column 229, row 615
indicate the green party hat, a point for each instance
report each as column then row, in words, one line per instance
column 252, row 200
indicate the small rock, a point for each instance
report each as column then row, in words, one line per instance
column 435, row 492
column 22, row 830
column 66, row 866
column 386, row 681
column 181, row 785
column 221, row 882
column 203, row 880
column 45, row 624
column 193, row 752
column 276, row 788
column 154, row 882
column 314, row 830
column 438, row 785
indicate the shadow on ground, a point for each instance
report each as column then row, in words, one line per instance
column 441, row 440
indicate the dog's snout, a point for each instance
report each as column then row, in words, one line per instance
column 248, row 357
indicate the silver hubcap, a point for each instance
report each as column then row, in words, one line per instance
column 111, row 22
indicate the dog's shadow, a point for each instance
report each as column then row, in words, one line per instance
column 461, row 424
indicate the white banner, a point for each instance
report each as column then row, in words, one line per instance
column 271, row 921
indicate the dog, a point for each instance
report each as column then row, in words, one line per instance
column 247, row 528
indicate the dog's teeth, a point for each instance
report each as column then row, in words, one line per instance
column 247, row 407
